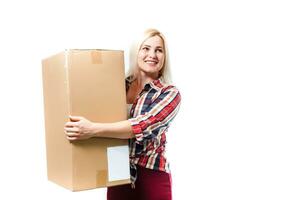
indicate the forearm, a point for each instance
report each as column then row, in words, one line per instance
column 120, row 130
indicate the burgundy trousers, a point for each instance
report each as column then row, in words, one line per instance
column 150, row 185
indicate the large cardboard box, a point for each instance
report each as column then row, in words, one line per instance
column 87, row 83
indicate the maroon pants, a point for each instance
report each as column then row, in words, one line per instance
column 150, row 185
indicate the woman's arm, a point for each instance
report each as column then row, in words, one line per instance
column 80, row 128
column 146, row 126
column 121, row 130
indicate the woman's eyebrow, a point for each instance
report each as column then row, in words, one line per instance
column 157, row 47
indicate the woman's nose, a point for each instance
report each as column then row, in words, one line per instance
column 152, row 54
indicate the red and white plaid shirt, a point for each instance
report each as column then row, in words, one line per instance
column 150, row 117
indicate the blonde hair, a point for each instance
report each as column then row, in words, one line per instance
column 132, row 73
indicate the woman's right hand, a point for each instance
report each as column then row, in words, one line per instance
column 79, row 128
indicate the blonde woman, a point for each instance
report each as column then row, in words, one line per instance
column 154, row 104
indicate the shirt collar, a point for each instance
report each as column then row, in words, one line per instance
column 157, row 84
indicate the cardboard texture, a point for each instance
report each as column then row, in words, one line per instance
column 87, row 83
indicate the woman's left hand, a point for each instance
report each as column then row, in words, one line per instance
column 79, row 128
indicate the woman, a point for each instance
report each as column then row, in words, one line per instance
column 154, row 105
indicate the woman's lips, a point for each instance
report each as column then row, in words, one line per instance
column 151, row 62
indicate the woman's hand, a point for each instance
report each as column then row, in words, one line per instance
column 79, row 128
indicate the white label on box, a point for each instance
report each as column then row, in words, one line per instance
column 118, row 163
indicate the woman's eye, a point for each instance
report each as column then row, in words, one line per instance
column 145, row 48
column 159, row 50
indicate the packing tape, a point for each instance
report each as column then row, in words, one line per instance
column 101, row 178
column 96, row 57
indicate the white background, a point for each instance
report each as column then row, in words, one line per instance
column 236, row 64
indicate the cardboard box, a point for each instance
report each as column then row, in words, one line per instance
column 89, row 83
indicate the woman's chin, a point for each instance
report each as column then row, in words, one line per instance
column 152, row 74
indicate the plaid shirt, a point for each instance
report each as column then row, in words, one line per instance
column 150, row 117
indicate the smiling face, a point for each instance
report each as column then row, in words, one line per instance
column 151, row 56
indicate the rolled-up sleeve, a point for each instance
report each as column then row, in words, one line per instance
column 159, row 115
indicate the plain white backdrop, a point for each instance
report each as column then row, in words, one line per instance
column 236, row 64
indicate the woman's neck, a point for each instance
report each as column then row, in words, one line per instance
column 143, row 79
